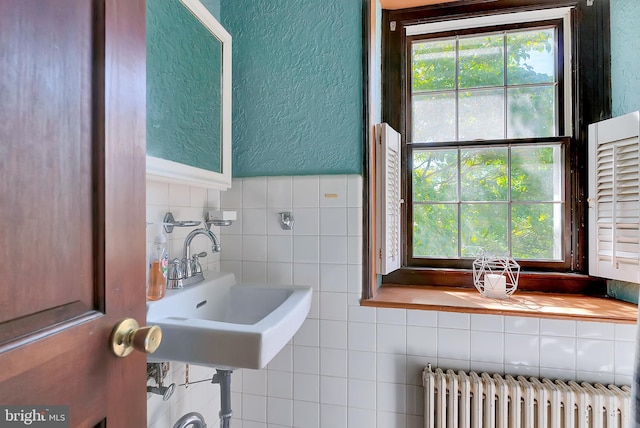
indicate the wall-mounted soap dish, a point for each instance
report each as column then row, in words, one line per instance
column 221, row 217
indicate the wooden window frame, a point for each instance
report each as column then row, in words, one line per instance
column 591, row 68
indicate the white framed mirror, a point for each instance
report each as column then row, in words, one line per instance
column 188, row 95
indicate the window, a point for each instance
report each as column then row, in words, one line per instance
column 494, row 140
column 484, row 147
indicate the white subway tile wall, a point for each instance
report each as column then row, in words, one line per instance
column 354, row 366
column 186, row 203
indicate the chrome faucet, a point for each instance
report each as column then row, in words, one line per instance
column 188, row 270
column 215, row 243
column 193, row 419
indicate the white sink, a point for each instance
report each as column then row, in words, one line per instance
column 226, row 325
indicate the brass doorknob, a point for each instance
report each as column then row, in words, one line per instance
column 127, row 335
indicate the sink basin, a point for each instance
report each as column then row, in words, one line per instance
column 223, row 324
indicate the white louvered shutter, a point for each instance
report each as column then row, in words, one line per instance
column 614, row 198
column 387, row 199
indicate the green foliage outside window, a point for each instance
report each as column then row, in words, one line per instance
column 501, row 198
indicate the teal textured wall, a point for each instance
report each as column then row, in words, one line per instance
column 183, row 93
column 297, row 86
column 625, row 89
column 625, row 56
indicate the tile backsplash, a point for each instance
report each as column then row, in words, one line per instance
column 353, row 366
column 186, row 203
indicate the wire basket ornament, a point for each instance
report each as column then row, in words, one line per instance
column 495, row 276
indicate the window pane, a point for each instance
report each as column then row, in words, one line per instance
column 435, row 175
column 531, row 57
column 484, row 227
column 531, row 112
column 483, row 174
column 481, row 62
column 536, row 173
column 481, row 114
column 433, row 65
column 536, row 231
column 433, row 117
column 435, row 231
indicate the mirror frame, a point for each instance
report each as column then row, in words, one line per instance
column 174, row 172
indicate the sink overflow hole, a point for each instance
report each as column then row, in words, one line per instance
column 201, row 304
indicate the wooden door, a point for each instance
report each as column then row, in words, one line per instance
column 72, row 202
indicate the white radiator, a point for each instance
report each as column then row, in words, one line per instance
column 484, row 400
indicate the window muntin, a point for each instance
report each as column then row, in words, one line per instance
column 505, row 196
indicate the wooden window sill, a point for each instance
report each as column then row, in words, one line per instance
column 526, row 304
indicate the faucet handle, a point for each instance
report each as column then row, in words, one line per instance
column 175, row 274
column 195, row 266
column 175, row 270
